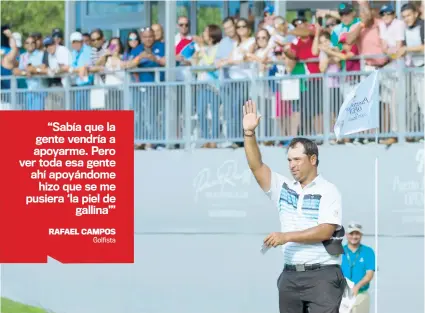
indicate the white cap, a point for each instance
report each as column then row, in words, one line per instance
column 76, row 36
column 353, row 226
column 18, row 39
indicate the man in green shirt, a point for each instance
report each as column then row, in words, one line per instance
column 348, row 19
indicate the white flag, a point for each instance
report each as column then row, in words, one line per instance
column 360, row 110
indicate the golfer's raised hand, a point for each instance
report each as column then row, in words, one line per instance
column 250, row 118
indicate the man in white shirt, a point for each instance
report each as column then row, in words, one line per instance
column 311, row 227
column 57, row 60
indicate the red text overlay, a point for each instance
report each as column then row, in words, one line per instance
column 67, row 186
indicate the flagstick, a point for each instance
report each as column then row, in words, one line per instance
column 376, row 200
column 376, row 235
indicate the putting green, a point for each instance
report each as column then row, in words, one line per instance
column 9, row 306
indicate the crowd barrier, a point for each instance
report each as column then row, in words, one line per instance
column 190, row 112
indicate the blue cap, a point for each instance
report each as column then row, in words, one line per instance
column 387, row 8
column 269, row 9
column 48, row 41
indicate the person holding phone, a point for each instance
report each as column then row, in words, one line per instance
column 9, row 54
column 151, row 54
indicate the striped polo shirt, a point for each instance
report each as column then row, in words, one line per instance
column 303, row 208
column 96, row 54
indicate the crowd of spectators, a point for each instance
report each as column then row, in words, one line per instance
column 332, row 43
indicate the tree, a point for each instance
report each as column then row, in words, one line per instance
column 27, row 17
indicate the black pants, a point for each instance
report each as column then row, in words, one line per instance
column 315, row 291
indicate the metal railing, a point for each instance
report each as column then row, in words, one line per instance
column 192, row 112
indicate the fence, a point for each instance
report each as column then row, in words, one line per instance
column 192, row 112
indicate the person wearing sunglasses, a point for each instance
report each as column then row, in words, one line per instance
column 391, row 31
column 330, row 24
column 30, row 64
column 358, row 265
column 182, row 40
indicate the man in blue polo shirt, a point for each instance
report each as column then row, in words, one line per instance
column 149, row 104
column 358, row 265
column 149, row 54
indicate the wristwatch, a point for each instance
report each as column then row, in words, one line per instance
column 251, row 133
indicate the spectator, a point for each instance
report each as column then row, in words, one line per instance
column 330, row 24
column 30, row 63
column 268, row 22
column 183, row 40
column 329, row 64
column 414, row 36
column 132, row 49
column 151, row 55
column 358, row 265
column 367, row 38
column 18, row 39
column 281, row 34
column 238, row 70
column 57, row 60
column 86, row 39
column 348, row 20
column 226, row 45
column 9, row 54
column 99, row 45
column 209, row 93
column 240, row 50
column 301, row 50
column 391, row 31
column 159, row 32
column 113, row 63
column 38, row 41
column 262, row 53
column 287, row 112
column 81, row 61
column 414, row 52
column 57, row 36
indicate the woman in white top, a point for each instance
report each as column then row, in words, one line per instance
column 236, row 94
column 208, row 93
column 262, row 52
column 112, row 62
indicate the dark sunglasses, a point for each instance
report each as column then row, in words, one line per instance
column 184, row 25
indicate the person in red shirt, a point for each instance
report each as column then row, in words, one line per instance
column 301, row 50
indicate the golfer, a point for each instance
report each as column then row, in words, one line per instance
column 311, row 232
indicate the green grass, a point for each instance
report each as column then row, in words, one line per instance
column 9, row 306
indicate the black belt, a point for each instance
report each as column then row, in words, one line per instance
column 305, row 267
